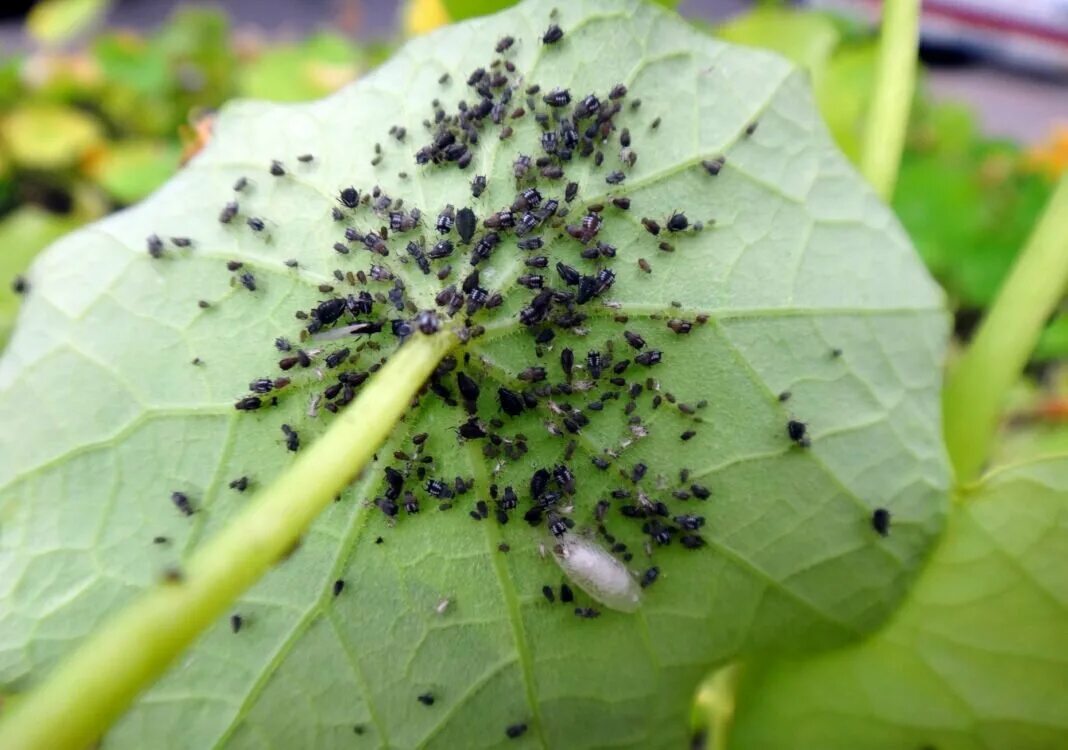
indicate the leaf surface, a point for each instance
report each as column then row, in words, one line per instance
column 973, row 659
column 809, row 286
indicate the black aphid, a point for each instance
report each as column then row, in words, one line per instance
column 566, row 594
column 798, row 432
column 236, row 621
column 277, row 169
column 181, row 502
column 614, row 178
column 634, row 339
column 568, row 274
column 530, row 243
column 305, row 158
column 154, row 245
column 587, row 613
column 292, row 438
column 465, row 224
column 427, row 322
column 713, row 166
column 255, row 223
column 678, row 222
column 240, row 484
column 229, row 211
column 880, row 521
column 514, row 731
column 426, row 699
column 240, row 184
column 504, row 43
column 557, row 98
column 349, row 197
column 438, row 489
column 649, row 358
column 339, row 586
column 510, row 401
column 651, row 226
column 552, row 35
column 249, row 403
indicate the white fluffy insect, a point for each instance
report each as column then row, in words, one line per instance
column 594, row 570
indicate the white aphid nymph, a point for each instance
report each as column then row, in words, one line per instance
column 594, row 570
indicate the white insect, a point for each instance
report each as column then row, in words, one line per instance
column 594, row 570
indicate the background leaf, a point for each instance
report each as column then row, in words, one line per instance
column 809, row 285
column 974, row 659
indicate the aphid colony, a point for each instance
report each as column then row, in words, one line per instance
column 568, row 382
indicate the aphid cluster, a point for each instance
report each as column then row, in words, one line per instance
column 607, row 541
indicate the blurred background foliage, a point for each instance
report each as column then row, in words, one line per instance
column 94, row 119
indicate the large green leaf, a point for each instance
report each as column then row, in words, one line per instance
column 974, row 659
column 809, row 285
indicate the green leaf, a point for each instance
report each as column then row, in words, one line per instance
column 802, row 36
column 974, row 659
column 809, row 285
column 129, row 170
column 23, row 233
column 57, row 21
column 295, row 73
column 47, row 136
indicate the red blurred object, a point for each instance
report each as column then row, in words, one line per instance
column 1029, row 33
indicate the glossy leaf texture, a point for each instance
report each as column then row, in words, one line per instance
column 973, row 659
column 800, row 299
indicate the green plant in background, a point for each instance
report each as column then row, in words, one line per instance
column 83, row 134
column 800, row 300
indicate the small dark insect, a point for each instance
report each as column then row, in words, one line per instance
column 504, row 43
column 349, row 196
column 510, row 402
column 426, row 699
column 649, row 576
column 438, row 489
column 587, row 613
column 621, row 203
column 557, row 98
column 798, row 432
column 249, row 403
column 427, row 322
column 680, row 326
column 568, row 274
column 655, row 124
column 339, row 586
column 530, row 243
column 277, row 169
column 618, row 91
column 571, row 191
column 552, row 35
column 240, row 484
column 651, row 226
column 557, row 526
column 468, row 387
column 692, row 541
column 566, row 594
column 784, row 396
column 236, row 621
column 634, row 339
column 751, row 128
column 644, row 265
column 614, row 178
column 181, row 241
column 305, row 158
column 689, row 434
column 292, row 438
column 255, row 223
column 515, row 730
column 155, row 246
column 678, row 222
column 442, row 249
column 700, row 491
column 649, row 358
column 446, row 219
column 229, row 211
column 548, row 593
column 880, row 521
column 713, row 166
column 19, row 285
column 240, row 184
column 181, row 502
column 465, row 224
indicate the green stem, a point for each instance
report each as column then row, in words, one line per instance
column 895, row 79
column 977, row 384
column 76, row 704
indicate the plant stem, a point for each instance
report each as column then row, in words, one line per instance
column 977, row 384
column 895, row 79
column 76, row 704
